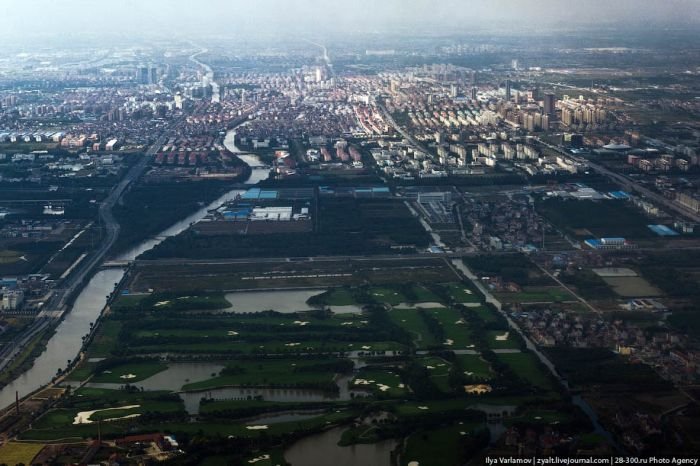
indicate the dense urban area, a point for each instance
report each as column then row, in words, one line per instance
column 397, row 250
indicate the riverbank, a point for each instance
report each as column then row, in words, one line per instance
column 66, row 342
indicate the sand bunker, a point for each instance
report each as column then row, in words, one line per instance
column 83, row 417
column 259, row 458
column 503, row 337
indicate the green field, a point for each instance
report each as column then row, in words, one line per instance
column 540, row 416
column 13, row 453
column 601, row 218
column 411, row 321
column 536, row 295
column 105, row 339
column 9, row 257
column 129, row 373
column 58, row 422
column 486, row 314
column 439, row 447
column 162, row 302
column 527, row 367
column 387, row 295
column 462, row 293
column 474, row 366
column 380, row 382
column 439, row 371
column 339, row 297
column 275, row 372
column 457, row 334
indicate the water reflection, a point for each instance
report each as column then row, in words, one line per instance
column 320, row 449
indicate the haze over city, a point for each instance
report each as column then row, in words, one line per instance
column 179, row 17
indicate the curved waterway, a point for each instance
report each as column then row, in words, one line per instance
column 65, row 344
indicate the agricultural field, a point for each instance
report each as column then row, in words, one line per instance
column 344, row 226
column 537, row 295
column 632, row 287
column 604, row 218
column 13, row 453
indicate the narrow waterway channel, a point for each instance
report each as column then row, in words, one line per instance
column 65, row 344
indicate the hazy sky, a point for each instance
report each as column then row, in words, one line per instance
column 31, row 17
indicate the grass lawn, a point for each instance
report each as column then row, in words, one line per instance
column 485, row 314
column 424, row 295
column 290, row 347
column 457, row 332
column 240, row 430
column 379, row 381
column 15, row 452
column 62, row 418
column 269, row 372
column 429, row 407
column 537, row 295
column 439, row 371
column 461, row 293
column 339, row 297
column 387, row 295
column 527, row 367
column 540, row 416
column 82, row 372
column 105, row 339
column 411, row 321
column 169, row 302
column 438, row 447
column 131, row 372
column 474, row 366
column 128, row 301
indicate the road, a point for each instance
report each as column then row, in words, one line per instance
column 400, row 130
column 76, row 279
column 629, row 185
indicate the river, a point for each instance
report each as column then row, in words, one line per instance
column 65, row 344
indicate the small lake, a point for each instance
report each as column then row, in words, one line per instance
column 322, row 449
column 285, row 301
column 173, row 378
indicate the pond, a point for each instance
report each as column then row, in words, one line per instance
column 284, row 301
column 322, row 449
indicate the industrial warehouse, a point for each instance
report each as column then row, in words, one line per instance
column 261, row 212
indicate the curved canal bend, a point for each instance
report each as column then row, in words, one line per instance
column 65, row 344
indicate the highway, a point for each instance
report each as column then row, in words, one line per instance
column 629, row 185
